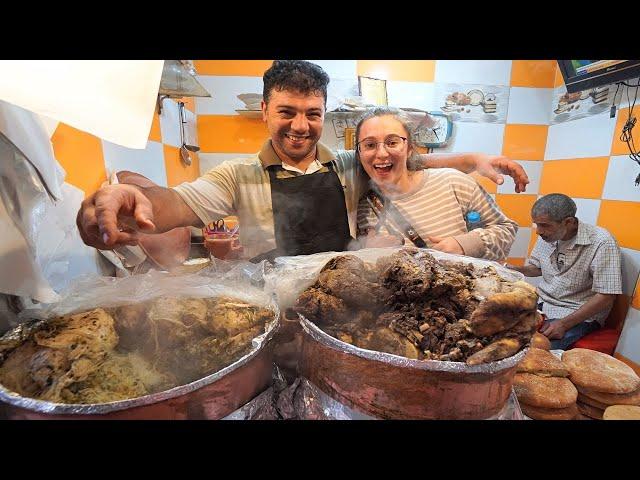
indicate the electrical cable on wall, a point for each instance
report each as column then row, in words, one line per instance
column 627, row 130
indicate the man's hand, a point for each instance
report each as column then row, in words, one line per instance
column 553, row 330
column 112, row 216
column 447, row 245
column 495, row 166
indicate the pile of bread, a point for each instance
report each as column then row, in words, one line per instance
column 584, row 384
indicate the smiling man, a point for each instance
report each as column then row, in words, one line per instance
column 293, row 197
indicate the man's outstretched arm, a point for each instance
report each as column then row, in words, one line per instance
column 113, row 215
column 491, row 166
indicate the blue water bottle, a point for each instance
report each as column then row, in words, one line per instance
column 473, row 220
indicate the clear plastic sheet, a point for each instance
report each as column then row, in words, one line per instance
column 92, row 292
column 292, row 275
column 264, row 406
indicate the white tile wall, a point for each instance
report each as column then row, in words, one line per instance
column 586, row 137
column 170, row 123
column 534, row 171
column 630, row 336
column 190, row 128
column 339, row 89
column 486, row 72
column 49, row 123
column 520, row 246
column 475, row 137
column 148, row 162
column 224, row 91
column 620, row 181
column 630, row 269
column 210, row 160
column 588, row 210
column 529, row 105
column 411, row 94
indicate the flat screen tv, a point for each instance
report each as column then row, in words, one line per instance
column 583, row 74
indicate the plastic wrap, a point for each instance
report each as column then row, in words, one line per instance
column 292, row 275
column 92, row 292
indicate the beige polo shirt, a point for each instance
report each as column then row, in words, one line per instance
column 241, row 187
column 575, row 270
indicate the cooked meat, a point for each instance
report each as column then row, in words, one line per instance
column 114, row 380
column 503, row 348
column 164, row 342
column 131, row 324
column 14, row 371
column 227, row 317
column 386, row 340
column 503, row 310
column 353, row 288
column 176, row 321
column 320, row 307
column 345, row 262
column 445, row 310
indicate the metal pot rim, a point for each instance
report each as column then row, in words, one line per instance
column 43, row 406
column 324, row 338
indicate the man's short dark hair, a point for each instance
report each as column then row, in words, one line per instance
column 556, row 206
column 297, row 76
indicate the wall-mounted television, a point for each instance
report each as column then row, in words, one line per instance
column 583, row 74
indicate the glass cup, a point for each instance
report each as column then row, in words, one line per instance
column 223, row 245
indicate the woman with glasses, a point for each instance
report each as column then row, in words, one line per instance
column 427, row 208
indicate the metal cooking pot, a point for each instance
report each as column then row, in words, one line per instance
column 392, row 387
column 211, row 397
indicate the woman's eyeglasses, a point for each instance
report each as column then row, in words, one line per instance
column 392, row 143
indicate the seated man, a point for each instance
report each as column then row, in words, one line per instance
column 580, row 268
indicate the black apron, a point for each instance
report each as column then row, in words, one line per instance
column 309, row 214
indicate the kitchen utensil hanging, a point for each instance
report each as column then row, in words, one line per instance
column 185, row 148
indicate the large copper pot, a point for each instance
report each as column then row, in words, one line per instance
column 391, row 387
column 209, row 398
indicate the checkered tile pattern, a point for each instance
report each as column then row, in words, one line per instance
column 88, row 160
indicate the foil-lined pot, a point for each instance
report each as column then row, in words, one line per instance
column 209, row 398
column 387, row 386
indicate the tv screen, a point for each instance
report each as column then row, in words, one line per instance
column 583, row 74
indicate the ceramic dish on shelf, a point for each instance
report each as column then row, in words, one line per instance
column 476, row 96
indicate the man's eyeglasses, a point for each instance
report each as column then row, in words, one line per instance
column 560, row 259
column 392, row 143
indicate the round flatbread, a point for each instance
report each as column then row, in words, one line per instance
column 600, row 372
column 539, row 413
column 545, row 392
column 589, row 411
column 540, row 341
column 607, row 399
column 543, row 363
column 590, row 401
column 622, row 412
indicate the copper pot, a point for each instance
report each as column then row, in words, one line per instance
column 212, row 397
column 391, row 387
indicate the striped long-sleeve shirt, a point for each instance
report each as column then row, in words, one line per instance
column 438, row 208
